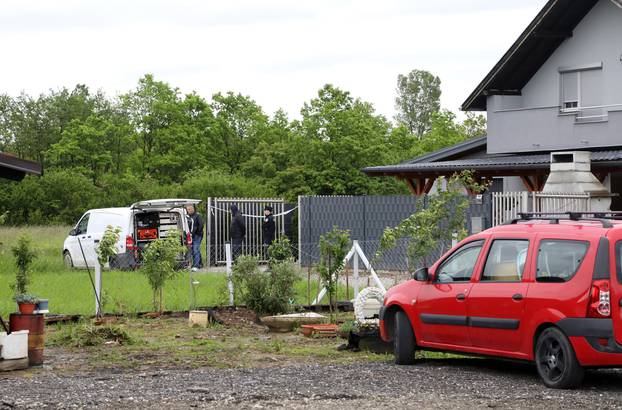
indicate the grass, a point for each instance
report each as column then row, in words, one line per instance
column 70, row 290
column 170, row 343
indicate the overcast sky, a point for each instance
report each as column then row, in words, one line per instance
column 280, row 52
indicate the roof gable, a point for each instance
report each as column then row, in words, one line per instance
column 553, row 24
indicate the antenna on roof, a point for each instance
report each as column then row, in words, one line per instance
column 617, row 3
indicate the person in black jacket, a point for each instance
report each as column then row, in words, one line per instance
column 196, row 230
column 268, row 228
column 237, row 231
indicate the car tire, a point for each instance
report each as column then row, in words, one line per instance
column 67, row 260
column 403, row 340
column 556, row 361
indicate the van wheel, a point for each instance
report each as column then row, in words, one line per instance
column 556, row 361
column 404, row 340
column 67, row 260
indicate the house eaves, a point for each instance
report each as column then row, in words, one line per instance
column 553, row 24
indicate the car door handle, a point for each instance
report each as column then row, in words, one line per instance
column 460, row 296
column 517, row 297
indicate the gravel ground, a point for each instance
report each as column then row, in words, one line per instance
column 439, row 383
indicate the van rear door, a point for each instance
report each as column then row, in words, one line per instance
column 164, row 203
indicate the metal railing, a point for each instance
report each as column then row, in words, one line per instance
column 507, row 205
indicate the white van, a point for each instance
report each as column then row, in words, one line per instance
column 140, row 224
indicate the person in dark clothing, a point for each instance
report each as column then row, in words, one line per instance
column 268, row 228
column 237, row 231
column 196, row 230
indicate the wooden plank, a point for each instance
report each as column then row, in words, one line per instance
column 16, row 364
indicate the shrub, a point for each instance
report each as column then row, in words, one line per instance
column 160, row 262
column 24, row 256
column 333, row 249
column 280, row 250
column 108, row 244
column 264, row 292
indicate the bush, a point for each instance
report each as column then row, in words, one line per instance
column 24, row 256
column 267, row 293
column 280, row 250
column 160, row 263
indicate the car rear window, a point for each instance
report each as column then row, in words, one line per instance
column 559, row 260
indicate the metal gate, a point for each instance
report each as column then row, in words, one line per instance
column 219, row 220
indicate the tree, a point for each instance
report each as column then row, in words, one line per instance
column 160, row 264
column 418, row 98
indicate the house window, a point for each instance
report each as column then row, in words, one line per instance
column 570, row 91
column 581, row 89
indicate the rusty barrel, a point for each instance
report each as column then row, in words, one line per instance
column 35, row 324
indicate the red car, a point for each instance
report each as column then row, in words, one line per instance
column 541, row 289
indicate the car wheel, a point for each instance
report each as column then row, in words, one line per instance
column 404, row 340
column 556, row 361
column 67, row 260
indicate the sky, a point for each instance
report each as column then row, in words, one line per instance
column 278, row 52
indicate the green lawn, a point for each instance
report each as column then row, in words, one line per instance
column 70, row 291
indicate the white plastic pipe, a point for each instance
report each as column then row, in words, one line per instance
column 229, row 281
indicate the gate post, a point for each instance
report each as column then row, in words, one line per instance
column 229, row 273
column 299, row 232
column 208, row 232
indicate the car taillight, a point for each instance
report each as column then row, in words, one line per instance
column 188, row 239
column 600, row 299
column 129, row 243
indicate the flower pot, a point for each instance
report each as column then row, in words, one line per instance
column 42, row 306
column 26, row 308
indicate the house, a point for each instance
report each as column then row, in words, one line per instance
column 15, row 168
column 558, row 88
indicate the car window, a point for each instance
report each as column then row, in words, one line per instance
column 459, row 266
column 82, row 225
column 506, row 261
column 559, row 260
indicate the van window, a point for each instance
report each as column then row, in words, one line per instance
column 506, row 261
column 100, row 220
column 559, row 260
column 81, row 226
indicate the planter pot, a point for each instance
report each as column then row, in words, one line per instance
column 42, row 306
column 26, row 308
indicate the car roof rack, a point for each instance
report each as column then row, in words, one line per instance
column 603, row 217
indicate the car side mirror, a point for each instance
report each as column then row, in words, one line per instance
column 421, row 275
column 73, row 232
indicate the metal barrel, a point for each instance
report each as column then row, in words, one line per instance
column 35, row 324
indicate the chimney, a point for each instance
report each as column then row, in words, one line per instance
column 571, row 173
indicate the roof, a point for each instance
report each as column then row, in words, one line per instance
column 553, row 24
column 491, row 164
column 460, row 149
column 15, row 168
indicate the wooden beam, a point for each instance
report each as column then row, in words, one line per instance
column 411, row 186
column 528, row 183
column 601, row 176
column 428, row 185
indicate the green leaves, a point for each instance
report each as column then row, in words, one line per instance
column 108, row 244
column 438, row 221
column 160, row 263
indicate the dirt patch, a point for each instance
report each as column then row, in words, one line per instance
column 237, row 317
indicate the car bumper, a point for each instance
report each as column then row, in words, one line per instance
column 593, row 341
